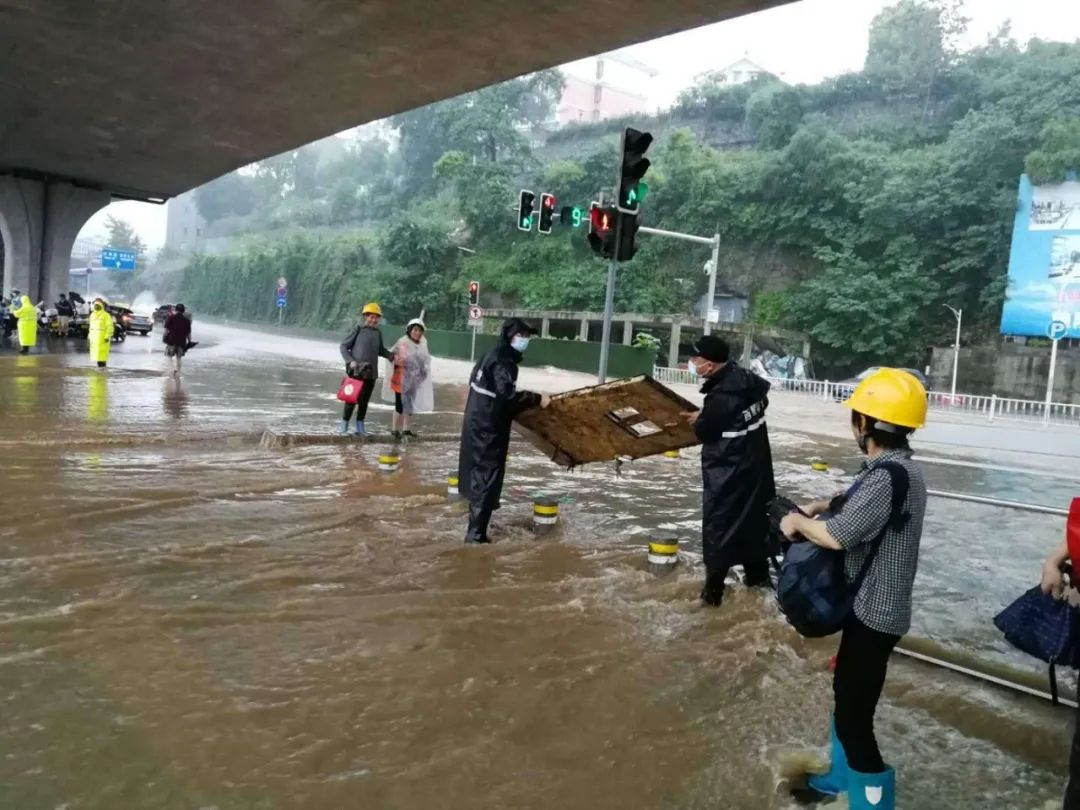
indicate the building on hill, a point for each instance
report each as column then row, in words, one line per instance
column 185, row 229
column 741, row 71
column 607, row 86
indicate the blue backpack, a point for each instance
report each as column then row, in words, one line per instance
column 811, row 588
column 1044, row 627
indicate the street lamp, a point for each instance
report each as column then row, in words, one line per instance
column 959, row 315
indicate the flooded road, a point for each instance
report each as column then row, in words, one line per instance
column 190, row 620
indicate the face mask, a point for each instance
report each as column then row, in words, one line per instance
column 520, row 343
column 692, row 368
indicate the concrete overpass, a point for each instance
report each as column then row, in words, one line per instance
column 145, row 100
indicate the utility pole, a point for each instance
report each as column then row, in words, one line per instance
column 609, row 309
column 959, row 315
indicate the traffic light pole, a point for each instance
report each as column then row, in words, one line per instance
column 714, row 263
column 609, row 309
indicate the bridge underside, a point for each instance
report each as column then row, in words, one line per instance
column 150, row 99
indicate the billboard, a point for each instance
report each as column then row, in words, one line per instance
column 1044, row 265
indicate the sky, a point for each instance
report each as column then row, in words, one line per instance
column 801, row 42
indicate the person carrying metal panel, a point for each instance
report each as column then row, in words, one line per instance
column 736, row 468
column 494, row 401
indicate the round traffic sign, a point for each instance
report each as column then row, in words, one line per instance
column 282, row 283
column 476, row 313
column 1057, row 330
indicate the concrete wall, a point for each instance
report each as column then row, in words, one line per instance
column 1008, row 371
column 572, row 355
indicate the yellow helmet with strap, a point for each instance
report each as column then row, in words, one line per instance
column 372, row 309
column 891, row 395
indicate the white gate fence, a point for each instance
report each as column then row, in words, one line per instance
column 976, row 405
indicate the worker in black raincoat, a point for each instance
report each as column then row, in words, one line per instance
column 493, row 403
column 736, row 468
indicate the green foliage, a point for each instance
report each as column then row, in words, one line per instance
column 646, row 340
column 712, row 98
column 770, row 308
column 907, row 47
column 773, row 113
column 232, row 194
column 1058, row 152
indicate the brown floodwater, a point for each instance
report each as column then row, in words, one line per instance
column 191, row 620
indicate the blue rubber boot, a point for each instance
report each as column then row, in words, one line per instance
column 343, row 430
column 360, row 428
column 835, row 781
column 872, row 791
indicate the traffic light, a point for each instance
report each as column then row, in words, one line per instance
column 627, row 232
column 632, row 167
column 602, row 229
column 474, row 293
column 525, row 210
column 547, row 212
column 573, row 216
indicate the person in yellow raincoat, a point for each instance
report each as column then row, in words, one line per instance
column 101, row 332
column 27, row 315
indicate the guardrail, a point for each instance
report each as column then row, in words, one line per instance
column 977, row 405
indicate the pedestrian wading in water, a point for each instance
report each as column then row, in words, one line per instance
column 494, row 401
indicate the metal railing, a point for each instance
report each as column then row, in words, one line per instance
column 977, row 405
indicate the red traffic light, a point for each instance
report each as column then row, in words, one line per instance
column 601, row 220
column 474, row 293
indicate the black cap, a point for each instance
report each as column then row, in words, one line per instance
column 516, row 326
column 712, row 348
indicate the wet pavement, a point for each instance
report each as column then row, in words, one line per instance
column 192, row 620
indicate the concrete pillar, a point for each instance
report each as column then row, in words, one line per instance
column 39, row 221
column 584, row 329
column 673, row 349
column 627, row 333
column 747, row 349
column 545, row 328
column 806, row 350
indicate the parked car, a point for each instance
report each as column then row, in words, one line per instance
column 845, row 388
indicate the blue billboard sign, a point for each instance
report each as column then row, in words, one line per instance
column 114, row 259
column 1044, row 265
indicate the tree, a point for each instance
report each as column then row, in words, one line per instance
column 1058, row 152
column 230, row 195
column 907, row 47
column 773, row 113
column 123, row 237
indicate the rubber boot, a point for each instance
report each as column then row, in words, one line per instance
column 478, row 525
column 713, row 592
column 343, row 430
column 835, row 781
column 872, row 791
column 360, row 428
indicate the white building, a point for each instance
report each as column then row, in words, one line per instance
column 185, row 229
column 740, row 72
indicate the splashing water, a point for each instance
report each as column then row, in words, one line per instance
column 145, row 303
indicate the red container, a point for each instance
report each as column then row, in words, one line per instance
column 350, row 390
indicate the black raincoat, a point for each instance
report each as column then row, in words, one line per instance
column 493, row 403
column 736, row 470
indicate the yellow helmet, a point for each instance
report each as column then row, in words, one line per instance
column 891, row 395
column 372, row 309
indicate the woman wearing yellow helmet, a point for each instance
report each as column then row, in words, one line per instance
column 361, row 351
column 877, row 523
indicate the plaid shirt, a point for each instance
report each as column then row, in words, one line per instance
column 884, row 600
